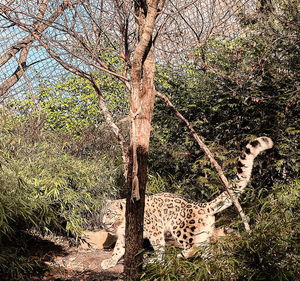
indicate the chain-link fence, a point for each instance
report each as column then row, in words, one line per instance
column 44, row 40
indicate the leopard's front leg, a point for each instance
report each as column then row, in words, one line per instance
column 118, row 251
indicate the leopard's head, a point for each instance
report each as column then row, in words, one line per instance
column 113, row 213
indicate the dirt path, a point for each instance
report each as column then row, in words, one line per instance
column 84, row 265
column 67, row 263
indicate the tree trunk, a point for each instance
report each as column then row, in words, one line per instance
column 140, row 136
column 142, row 104
column 135, row 220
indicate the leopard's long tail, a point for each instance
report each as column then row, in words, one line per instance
column 244, row 170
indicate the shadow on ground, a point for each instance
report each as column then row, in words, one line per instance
column 53, row 258
column 72, row 275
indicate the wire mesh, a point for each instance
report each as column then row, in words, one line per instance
column 39, row 38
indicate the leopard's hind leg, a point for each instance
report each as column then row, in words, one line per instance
column 199, row 238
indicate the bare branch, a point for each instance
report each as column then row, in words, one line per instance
column 14, row 78
column 107, row 115
column 113, row 126
column 210, row 156
column 39, row 26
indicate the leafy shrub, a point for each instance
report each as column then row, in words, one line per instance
column 235, row 90
column 71, row 105
column 43, row 185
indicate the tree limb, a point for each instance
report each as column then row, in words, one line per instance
column 107, row 115
column 206, row 150
column 39, row 26
column 14, row 78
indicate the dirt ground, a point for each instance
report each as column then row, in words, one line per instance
column 67, row 263
column 83, row 265
column 58, row 259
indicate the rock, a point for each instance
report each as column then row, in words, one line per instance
column 99, row 239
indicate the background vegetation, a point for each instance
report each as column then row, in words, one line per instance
column 58, row 159
column 239, row 89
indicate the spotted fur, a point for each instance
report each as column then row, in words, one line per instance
column 191, row 224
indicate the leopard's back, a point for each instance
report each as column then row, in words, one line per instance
column 182, row 218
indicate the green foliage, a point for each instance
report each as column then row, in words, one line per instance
column 16, row 267
column 235, row 91
column 72, row 106
column 49, row 187
column 156, row 183
column 45, row 186
column 270, row 251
